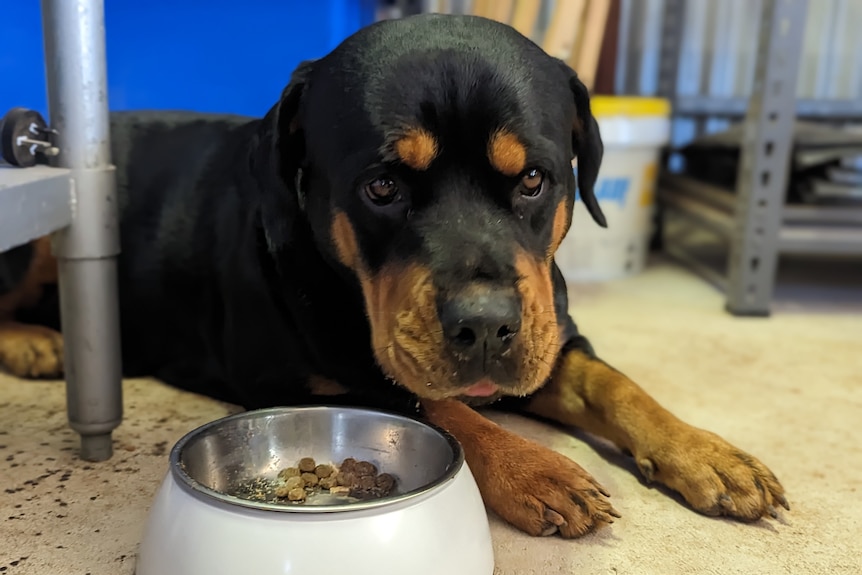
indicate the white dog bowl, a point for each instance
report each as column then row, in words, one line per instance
column 433, row 524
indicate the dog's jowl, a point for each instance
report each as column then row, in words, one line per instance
column 385, row 236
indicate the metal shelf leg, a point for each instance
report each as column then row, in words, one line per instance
column 76, row 74
column 765, row 159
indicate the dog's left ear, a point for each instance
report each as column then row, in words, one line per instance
column 277, row 160
column 588, row 147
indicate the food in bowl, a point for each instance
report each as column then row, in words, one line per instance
column 434, row 521
column 326, row 483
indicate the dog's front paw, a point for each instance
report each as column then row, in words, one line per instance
column 712, row 475
column 31, row 350
column 542, row 492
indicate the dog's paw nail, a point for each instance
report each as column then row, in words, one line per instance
column 726, row 503
column 613, row 512
column 605, row 517
column 647, row 468
column 783, row 502
column 549, row 531
column 555, row 518
column 772, row 512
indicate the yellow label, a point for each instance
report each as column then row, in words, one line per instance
column 648, row 185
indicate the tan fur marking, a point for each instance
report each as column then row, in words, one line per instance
column 345, row 241
column 540, row 340
column 417, row 148
column 30, row 350
column 713, row 476
column 560, row 228
column 319, row 385
column 42, row 270
column 506, row 153
column 530, row 486
column 406, row 331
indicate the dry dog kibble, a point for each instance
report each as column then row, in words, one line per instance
column 385, row 482
column 364, row 468
column 297, row 494
column 366, row 483
column 281, row 491
column 294, row 482
column 345, row 479
column 284, row 474
column 323, row 470
column 327, row 482
column 354, row 478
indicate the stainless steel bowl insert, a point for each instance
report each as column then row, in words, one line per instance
column 220, row 459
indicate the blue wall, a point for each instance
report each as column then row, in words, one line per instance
column 205, row 55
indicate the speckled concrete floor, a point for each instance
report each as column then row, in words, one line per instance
column 788, row 389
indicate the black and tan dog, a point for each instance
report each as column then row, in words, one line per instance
column 385, row 236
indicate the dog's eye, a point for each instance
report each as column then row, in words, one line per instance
column 382, row 191
column 532, row 182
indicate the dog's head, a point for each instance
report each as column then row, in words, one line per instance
column 432, row 158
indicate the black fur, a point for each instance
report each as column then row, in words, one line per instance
column 229, row 282
column 13, row 266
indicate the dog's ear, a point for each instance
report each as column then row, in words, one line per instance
column 277, row 160
column 587, row 146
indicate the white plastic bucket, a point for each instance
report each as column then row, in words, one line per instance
column 633, row 131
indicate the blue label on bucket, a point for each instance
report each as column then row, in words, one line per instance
column 611, row 190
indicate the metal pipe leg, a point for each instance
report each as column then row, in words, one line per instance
column 76, row 74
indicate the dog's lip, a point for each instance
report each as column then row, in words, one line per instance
column 482, row 388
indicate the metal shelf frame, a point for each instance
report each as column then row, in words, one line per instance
column 754, row 221
column 75, row 202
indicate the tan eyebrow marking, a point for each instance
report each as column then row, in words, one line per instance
column 507, row 153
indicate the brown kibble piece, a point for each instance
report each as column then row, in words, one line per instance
column 385, row 483
column 307, row 464
column 297, row 494
column 348, row 465
column 282, row 491
column 323, row 470
column 294, row 482
column 288, row 472
column 340, row 490
column 327, row 482
column 344, row 478
column 310, row 479
column 365, row 468
column 366, row 483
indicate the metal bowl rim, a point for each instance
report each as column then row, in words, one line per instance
column 186, row 481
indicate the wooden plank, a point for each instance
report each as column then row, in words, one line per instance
column 563, row 30
column 585, row 58
column 525, row 16
column 607, row 71
column 482, row 8
column 501, row 11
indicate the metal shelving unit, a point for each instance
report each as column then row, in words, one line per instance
column 75, row 202
column 753, row 220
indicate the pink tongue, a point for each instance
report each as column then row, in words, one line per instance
column 484, row 388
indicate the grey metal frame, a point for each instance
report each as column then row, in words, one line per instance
column 76, row 200
column 765, row 159
column 754, row 222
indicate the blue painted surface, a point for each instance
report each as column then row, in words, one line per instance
column 206, row 55
column 609, row 190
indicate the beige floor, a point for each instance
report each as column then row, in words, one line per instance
column 788, row 389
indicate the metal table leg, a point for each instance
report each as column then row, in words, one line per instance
column 76, row 70
column 764, row 162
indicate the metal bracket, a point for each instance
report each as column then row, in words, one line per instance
column 764, row 160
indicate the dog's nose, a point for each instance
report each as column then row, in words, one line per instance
column 481, row 321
